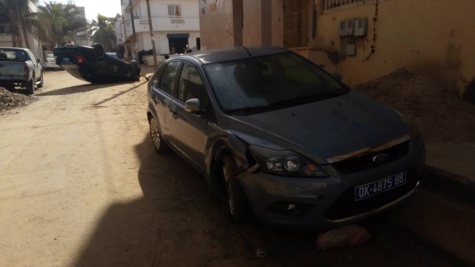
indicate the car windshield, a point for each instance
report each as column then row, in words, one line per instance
column 267, row 82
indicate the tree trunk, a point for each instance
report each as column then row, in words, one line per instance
column 22, row 25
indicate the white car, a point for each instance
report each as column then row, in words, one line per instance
column 51, row 62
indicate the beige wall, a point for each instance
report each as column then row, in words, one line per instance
column 432, row 37
column 216, row 24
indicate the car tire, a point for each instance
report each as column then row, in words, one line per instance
column 30, row 87
column 236, row 202
column 99, row 51
column 160, row 146
column 40, row 84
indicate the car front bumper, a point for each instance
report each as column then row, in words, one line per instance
column 318, row 203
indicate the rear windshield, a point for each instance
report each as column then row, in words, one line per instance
column 273, row 81
column 13, row 55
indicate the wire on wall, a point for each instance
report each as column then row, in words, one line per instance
column 375, row 19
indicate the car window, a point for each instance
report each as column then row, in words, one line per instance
column 167, row 83
column 158, row 74
column 270, row 81
column 190, row 84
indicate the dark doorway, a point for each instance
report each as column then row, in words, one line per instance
column 295, row 23
column 177, row 42
column 198, row 43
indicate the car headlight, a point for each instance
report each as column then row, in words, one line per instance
column 285, row 162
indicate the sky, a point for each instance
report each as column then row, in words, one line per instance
column 108, row 8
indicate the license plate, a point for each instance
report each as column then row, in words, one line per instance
column 3, row 77
column 66, row 60
column 379, row 186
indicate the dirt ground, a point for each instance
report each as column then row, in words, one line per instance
column 437, row 111
column 81, row 185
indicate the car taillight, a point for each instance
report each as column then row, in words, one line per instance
column 26, row 70
column 80, row 59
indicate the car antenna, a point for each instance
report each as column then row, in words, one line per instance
column 249, row 53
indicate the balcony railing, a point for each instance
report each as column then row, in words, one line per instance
column 330, row 5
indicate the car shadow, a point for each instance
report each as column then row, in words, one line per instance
column 175, row 215
column 75, row 89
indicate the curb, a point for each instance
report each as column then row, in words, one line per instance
column 448, row 184
column 441, row 213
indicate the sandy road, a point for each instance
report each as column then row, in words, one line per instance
column 80, row 185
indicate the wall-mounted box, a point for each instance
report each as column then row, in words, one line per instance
column 360, row 27
column 347, row 27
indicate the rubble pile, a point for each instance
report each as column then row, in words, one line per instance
column 440, row 115
column 9, row 100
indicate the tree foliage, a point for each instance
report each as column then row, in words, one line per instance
column 18, row 14
column 102, row 31
column 62, row 22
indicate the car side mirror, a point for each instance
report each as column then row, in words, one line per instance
column 193, row 105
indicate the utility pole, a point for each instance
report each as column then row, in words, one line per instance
column 133, row 25
column 151, row 36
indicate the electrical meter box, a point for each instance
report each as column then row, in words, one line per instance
column 347, row 27
column 360, row 27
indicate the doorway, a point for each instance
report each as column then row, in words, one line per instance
column 177, row 43
column 296, row 23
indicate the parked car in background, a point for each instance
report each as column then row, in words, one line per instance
column 279, row 138
column 51, row 62
column 93, row 64
column 20, row 68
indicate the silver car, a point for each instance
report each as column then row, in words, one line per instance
column 280, row 139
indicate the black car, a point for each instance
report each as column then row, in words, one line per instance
column 278, row 137
column 93, row 64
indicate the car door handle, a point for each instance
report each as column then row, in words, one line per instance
column 175, row 114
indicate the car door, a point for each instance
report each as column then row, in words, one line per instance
column 189, row 128
column 161, row 89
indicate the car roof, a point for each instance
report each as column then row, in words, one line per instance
column 233, row 53
column 14, row 48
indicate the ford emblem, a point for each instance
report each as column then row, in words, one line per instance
column 380, row 158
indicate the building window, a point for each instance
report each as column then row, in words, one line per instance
column 174, row 11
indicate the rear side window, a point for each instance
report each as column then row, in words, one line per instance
column 169, row 77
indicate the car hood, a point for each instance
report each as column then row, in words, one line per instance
column 323, row 129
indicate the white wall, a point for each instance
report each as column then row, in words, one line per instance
column 162, row 23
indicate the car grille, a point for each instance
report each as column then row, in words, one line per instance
column 365, row 162
column 346, row 206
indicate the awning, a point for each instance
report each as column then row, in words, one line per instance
column 178, row 35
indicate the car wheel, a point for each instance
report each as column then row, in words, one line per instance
column 160, row 146
column 99, row 51
column 40, row 84
column 30, row 87
column 236, row 201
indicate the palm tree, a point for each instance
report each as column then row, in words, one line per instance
column 102, row 32
column 62, row 22
column 18, row 14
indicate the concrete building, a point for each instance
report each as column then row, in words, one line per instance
column 359, row 39
column 175, row 25
column 7, row 40
column 82, row 38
